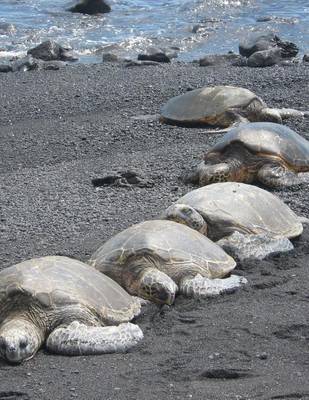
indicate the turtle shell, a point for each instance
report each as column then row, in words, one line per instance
column 230, row 206
column 268, row 139
column 55, row 282
column 206, row 104
column 174, row 249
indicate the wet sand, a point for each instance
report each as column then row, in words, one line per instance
column 59, row 130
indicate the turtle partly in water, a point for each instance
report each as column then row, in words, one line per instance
column 270, row 153
column 222, row 107
column 67, row 305
column 156, row 259
column 222, row 209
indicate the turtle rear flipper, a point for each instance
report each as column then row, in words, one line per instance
column 274, row 175
column 200, row 286
column 79, row 339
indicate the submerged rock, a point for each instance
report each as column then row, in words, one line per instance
column 50, row 50
column 91, row 7
column 266, row 41
column 257, row 42
column 265, row 49
column 6, row 28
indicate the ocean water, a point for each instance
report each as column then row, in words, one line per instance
column 194, row 27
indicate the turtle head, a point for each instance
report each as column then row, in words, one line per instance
column 186, row 215
column 270, row 115
column 158, row 287
column 213, row 173
column 19, row 340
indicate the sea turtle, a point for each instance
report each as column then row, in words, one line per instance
column 68, row 304
column 156, row 259
column 221, row 107
column 221, row 209
column 270, row 153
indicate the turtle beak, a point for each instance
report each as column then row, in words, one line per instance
column 166, row 297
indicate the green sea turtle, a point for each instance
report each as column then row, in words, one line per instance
column 222, row 107
column 156, row 259
column 66, row 303
column 270, row 153
column 221, row 209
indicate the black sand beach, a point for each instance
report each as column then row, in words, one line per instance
column 60, row 129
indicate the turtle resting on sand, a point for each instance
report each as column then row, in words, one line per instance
column 223, row 209
column 156, row 259
column 67, row 303
column 270, row 153
column 222, row 107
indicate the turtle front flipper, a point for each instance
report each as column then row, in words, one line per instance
column 243, row 247
column 200, row 286
column 79, row 339
column 275, row 175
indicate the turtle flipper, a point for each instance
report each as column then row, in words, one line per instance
column 243, row 247
column 79, row 339
column 291, row 112
column 200, row 286
column 274, row 175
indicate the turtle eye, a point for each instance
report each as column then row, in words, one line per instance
column 23, row 343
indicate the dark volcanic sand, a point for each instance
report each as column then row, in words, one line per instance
column 60, row 129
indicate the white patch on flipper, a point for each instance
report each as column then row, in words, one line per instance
column 80, row 339
column 200, row 286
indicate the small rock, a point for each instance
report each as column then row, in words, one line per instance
column 5, row 68
column 50, row 51
column 262, row 356
column 219, row 59
column 27, row 63
column 126, row 178
column 157, row 57
column 265, row 58
column 109, row 57
column 306, row 57
column 53, row 65
column 136, row 63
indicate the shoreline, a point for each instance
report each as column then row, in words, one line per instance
column 59, row 130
